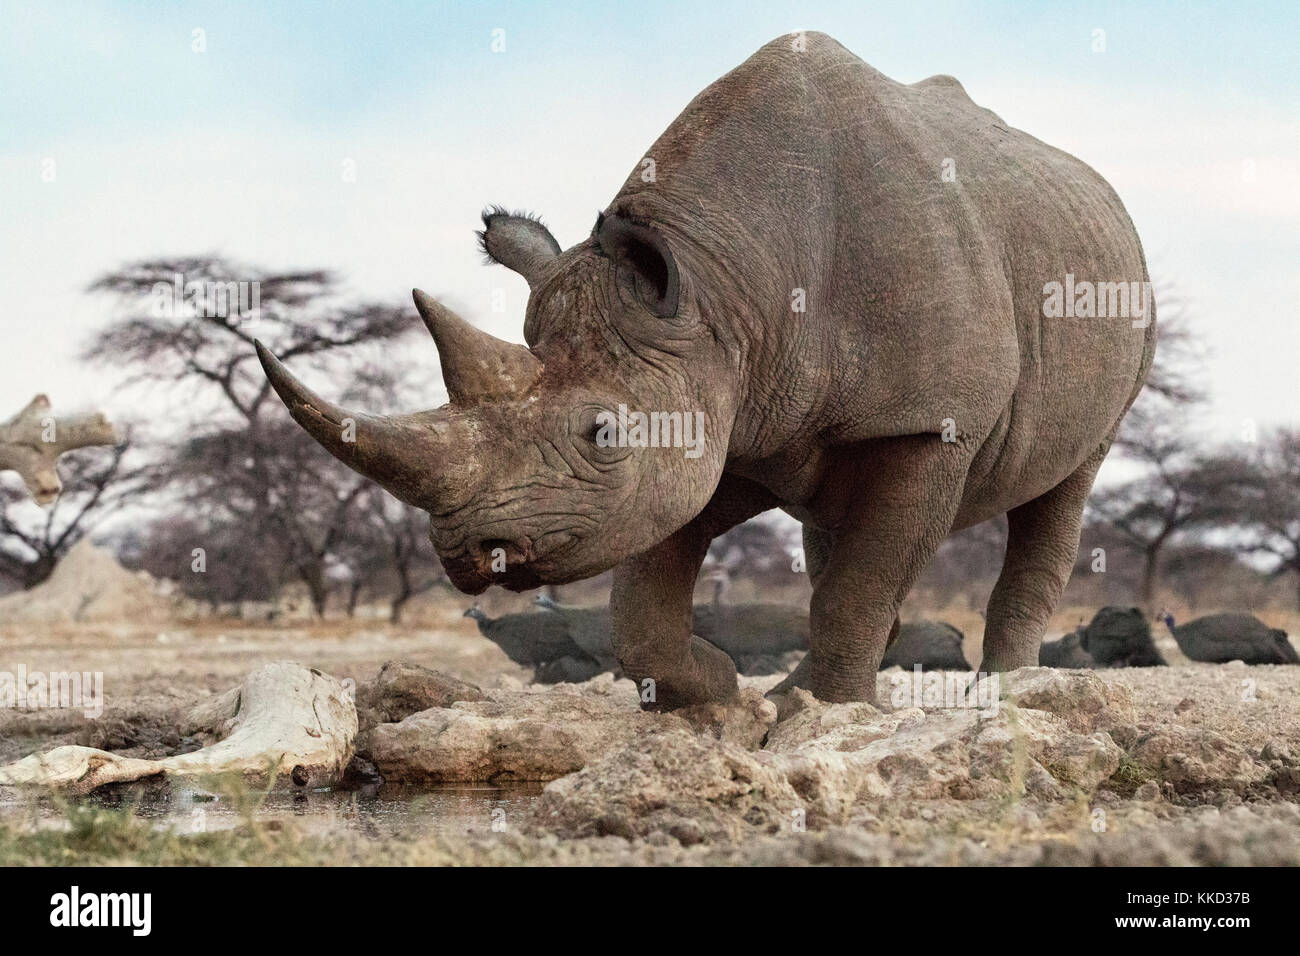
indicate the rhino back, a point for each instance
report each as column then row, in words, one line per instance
column 812, row 170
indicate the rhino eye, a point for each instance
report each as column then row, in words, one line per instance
column 589, row 428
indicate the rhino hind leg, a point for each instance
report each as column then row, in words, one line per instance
column 816, row 550
column 1042, row 546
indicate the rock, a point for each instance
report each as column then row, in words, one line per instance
column 510, row 736
column 744, row 720
column 1149, row 792
column 1140, row 818
column 817, row 769
column 1081, row 699
column 957, row 752
column 1069, row 758
column 805, row 719
column 1195, row 759
column 403, row 689
column 1287, row 781
column 676, row 782
column 90, row 586
column 1276, row 750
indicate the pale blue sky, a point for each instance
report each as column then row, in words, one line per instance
column 1191, row 112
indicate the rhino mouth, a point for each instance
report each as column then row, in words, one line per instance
column 516, row 567
column 466, row 577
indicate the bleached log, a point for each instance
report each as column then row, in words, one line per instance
column 285, row 719
column 32, row 441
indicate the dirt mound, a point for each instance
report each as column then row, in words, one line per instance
column 90, row 585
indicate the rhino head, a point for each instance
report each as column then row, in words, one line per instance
column 517, row 472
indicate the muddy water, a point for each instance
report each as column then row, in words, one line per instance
column 375, row 812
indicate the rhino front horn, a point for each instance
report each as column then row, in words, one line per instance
column 400, row 452
column 476, row 367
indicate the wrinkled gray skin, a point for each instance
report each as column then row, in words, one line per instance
column 802, row 169
column 930, row 645
column 1120, row 637
column 1219, row 638
column 1066, row 652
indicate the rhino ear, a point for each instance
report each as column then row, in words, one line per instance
column 519, row 242
column 643, row 252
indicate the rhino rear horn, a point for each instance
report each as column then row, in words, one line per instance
column 519, row 242
column 476, row 367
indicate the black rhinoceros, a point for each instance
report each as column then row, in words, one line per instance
column 873, row 304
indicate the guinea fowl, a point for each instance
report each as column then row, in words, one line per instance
column 756, row 636
column 1120, row 637
column 1219, row 638
column 586, row 627
column 539, row 641
column 930, row 645
column 1066, row 653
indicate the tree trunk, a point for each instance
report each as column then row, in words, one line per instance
column 404, row 593
column 39, row 571
column 315, row 582
column 1150, row 579
column 399, row 602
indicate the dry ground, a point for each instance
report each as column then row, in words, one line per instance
column 153, row 673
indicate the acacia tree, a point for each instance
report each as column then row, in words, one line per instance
column 96, row 483
column 274, row 485
column 389, row 553
column 754, row 548
column 1268, row 492
column 1178, row 371
column 388, row 550
column 232, row 572
column 1183, row 489
column 240, row 459
column 194, row 355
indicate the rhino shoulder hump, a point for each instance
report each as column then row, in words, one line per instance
column 941, row 81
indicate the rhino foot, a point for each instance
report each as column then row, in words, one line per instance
column 708, row 677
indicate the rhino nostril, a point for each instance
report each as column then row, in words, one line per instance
column 494, row 547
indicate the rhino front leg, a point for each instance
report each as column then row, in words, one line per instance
column 895, row 505
column 652, row 602
column 1042, row 546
